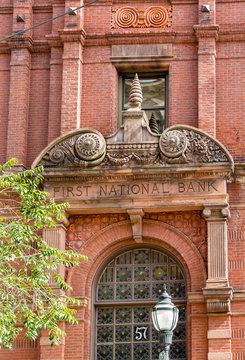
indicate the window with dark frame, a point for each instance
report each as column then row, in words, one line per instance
column 155, row 96
column 128, row 288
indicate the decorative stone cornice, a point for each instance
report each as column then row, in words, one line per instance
column 206, row 31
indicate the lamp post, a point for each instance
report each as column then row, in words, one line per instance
column 165, row 317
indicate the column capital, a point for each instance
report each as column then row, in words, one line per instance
column 206, row 31
column 217, row 212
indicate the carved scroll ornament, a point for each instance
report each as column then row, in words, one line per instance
column 85, row 148
column 131, row 17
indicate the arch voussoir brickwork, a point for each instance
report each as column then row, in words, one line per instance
column 117, row 237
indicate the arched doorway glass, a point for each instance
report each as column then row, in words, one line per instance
column 127, row 289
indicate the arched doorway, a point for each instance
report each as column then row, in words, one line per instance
column 127, row 289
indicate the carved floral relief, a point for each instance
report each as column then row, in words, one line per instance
column 131, row 17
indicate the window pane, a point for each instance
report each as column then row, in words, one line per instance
column 153, row 92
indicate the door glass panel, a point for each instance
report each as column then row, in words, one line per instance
column 125, row 296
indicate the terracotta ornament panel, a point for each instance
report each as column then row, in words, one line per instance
column 151, row 17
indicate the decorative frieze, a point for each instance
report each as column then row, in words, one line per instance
column 151, row 17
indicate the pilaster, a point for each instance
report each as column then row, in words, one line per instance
column 56, row 238
column 21, row 47
column 73, row 38
column 218, row 293
column 55, row 82
column 217, row 217
column 207, row 35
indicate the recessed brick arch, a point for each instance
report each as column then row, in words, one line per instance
column 115, row 238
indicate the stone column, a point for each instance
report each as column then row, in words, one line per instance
column 19, row 81
column 73, row 38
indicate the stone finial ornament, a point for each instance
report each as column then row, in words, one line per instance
column 153, row 124
column 135, row 94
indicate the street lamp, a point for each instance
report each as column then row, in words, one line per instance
column 165, row 317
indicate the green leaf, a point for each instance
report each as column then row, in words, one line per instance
column 27, row 262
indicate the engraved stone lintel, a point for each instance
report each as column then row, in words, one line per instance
column 136, row 216
column 218, row 299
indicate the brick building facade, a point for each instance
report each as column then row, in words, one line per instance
column 153, row 199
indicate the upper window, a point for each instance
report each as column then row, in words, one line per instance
column 154, row 88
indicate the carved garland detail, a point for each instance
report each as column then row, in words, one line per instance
column 130, row 17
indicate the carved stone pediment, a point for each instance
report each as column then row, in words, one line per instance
column 176, row 145
column 136, row 144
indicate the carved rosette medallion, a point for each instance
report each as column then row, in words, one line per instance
column 90, row 146
column 156, row 16
column 126, row 17
column 131, row 17
column 173, row 143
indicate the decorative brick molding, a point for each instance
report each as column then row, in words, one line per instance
column 206, row 31
column 131, row 17
column 238, row 334
column 238, row 355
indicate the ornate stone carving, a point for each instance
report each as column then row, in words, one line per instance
column 153, row 124
column 135, row 94
column 85, row 148
column 177, row 145
column 130, row 17
column 90, row 146
column 126, row 17
column 182, row 145
column 156, row 16
column 173, row 143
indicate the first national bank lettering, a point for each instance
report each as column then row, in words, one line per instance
column 139, row 189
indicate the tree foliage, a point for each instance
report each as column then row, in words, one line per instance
column 27, row 262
